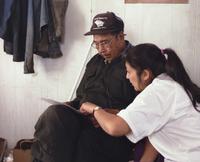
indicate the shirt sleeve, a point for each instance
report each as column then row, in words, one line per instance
column 149, row 112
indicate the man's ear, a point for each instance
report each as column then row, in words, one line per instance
column 121, row 35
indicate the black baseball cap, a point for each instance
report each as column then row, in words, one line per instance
column 105, row 23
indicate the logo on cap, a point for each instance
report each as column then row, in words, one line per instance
column 99, row 23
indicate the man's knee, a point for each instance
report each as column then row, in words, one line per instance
column 56, row 112
column 54, row 116
column 53, row 110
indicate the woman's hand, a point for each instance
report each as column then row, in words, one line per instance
column 87, row 107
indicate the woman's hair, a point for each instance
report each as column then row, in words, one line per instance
column 149, row 56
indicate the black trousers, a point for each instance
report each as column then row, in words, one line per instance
column 64, row 136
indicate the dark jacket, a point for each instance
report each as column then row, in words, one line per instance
column 105, row 84
column 5, row 13
column 15, row 33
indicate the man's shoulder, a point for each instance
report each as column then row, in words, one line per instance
column 95, row 59
column 127, row 47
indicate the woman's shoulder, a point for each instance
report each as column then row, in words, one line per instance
column 162, row 88
column 167, row 88
column 163, row 82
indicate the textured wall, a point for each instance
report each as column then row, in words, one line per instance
column 167, row 25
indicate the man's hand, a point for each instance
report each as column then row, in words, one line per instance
column 94, row 122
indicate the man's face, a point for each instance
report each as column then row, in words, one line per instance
column 108, row 46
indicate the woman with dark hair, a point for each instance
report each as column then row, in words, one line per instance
column 167, row 109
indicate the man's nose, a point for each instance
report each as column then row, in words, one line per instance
column 100, row 48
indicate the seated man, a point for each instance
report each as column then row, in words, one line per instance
column 64, row 136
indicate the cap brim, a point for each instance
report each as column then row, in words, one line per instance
column 94, row 32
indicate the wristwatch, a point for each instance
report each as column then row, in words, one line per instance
column 95, row 109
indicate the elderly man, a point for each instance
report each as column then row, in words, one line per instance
column 62, row 135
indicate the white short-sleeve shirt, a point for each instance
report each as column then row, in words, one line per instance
column 164, row 113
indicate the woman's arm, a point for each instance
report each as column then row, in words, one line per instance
column 150, row 153
column 110, row 123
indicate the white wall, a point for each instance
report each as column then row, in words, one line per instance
column 175, row 26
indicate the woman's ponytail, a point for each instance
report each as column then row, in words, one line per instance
column 175, row 69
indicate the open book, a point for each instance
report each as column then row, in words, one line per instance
column 54, row 102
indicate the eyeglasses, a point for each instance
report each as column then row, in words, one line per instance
column 104, row 43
